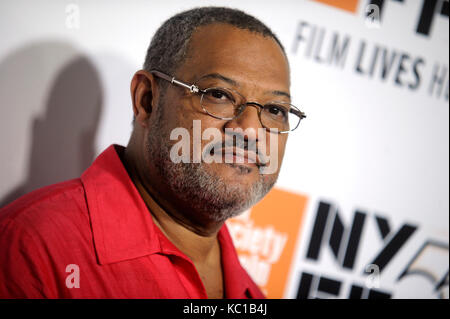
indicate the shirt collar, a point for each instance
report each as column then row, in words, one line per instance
column 237, row 283
column 121, row 224
column 123, row 228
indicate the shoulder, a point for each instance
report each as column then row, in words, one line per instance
column 38, row 232
column 53, row 212
column 50, row 202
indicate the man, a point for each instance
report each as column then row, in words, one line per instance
column 140, row 223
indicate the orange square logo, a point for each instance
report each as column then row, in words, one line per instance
column 265, row 239
column 347, row 5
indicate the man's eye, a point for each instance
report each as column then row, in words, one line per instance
column 219, row 95
column 276, row 111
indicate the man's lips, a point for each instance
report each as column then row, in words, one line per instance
column 236, row 155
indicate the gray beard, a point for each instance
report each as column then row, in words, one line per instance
column 206, row 193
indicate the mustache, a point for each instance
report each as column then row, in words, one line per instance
column 241, row 144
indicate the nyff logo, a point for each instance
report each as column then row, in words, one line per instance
column 427, row 269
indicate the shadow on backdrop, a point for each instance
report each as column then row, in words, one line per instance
column 62, row 141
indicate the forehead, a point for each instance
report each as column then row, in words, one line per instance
column 249, row 58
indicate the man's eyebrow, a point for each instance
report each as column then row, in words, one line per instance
column 219, row 77
column 281, row 93
column 234, row 83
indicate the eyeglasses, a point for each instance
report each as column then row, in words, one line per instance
column 227, row 104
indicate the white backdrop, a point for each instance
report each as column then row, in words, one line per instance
column 375, row 140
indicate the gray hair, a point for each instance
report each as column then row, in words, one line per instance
column 168, row 48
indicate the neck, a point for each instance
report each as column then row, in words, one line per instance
column 198, row 242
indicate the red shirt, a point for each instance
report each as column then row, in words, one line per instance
column 100, row 223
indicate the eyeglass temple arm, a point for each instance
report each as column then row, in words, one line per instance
column 300, row 114
column 193, row 88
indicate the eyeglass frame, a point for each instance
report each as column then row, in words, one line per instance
column 196, row 90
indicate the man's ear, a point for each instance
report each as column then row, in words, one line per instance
column 143, row 92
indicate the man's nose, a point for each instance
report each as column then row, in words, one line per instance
column 248, row 121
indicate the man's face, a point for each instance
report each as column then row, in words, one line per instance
column 256, row 67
